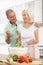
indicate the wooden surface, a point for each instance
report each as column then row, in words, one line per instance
column 16, row 63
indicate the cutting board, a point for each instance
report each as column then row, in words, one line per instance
column 16, row 63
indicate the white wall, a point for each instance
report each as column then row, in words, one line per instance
column 38, row 11
column 30, row 8
column 9, row 3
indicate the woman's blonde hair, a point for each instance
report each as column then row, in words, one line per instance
column 25, row 11
column 29, row 15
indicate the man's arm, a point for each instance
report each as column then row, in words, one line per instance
column 7, row 37
column 18, row 37
column 37, row 24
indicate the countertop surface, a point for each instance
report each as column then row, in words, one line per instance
column 35, row 62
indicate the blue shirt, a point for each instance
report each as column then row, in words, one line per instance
column 13, row 33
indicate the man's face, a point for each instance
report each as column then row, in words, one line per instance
column 12, row 17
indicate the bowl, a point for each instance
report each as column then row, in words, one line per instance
column 18, row 50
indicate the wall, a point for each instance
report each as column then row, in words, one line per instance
column 38, row 11
column 42, row 10
column 30, row 8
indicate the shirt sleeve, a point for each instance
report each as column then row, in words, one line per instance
column 7, row 27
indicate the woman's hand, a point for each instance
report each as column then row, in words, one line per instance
column 36, row 40
column 30, row 42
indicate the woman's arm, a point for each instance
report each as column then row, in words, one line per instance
column 36, row 40
column 36, row 36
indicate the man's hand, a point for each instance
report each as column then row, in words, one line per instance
column 7, row 40
column 37, row 25
column 8, row 36
column 8, row 32
column 17, row 38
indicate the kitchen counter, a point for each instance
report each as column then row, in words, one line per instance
column 16, row 63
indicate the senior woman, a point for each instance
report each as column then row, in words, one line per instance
column 28, row 33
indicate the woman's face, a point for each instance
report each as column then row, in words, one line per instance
column 26, row 17
column 12, row 17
